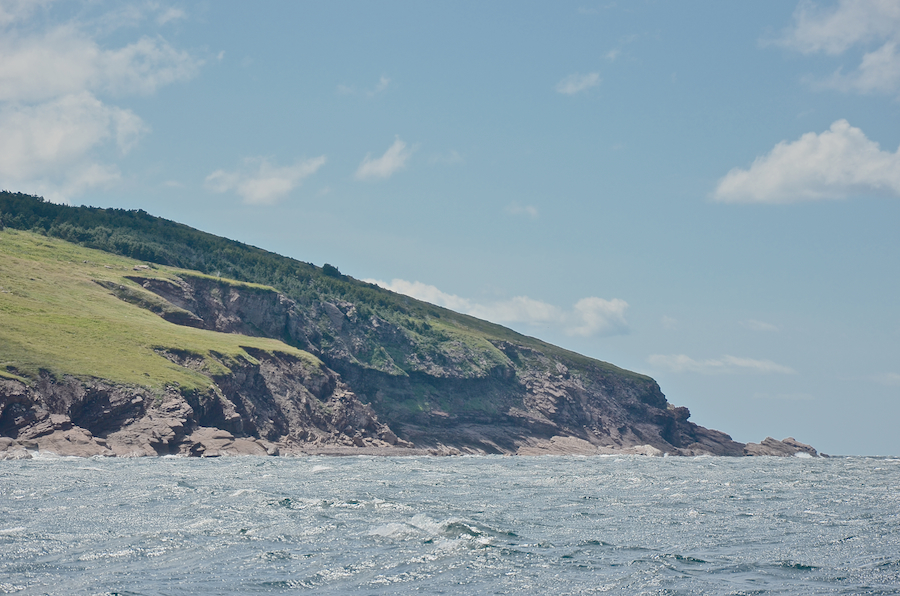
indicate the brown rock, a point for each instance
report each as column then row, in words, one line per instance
column 215, row 442
column 74, row 441
column 157, row 433
column 785, row 448
column 11, row 449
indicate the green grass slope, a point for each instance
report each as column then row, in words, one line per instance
column 58, row 314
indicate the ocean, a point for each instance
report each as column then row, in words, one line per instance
column 450, row 525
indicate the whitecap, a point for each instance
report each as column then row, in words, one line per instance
column 423, row 522
column 391, row 530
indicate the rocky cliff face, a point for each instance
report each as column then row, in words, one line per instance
column 379, row 388
column 274, row 403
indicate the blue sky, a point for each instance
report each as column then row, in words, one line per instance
column 705, row 192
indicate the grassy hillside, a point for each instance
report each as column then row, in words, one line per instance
column 142, row 237
column 54, row 315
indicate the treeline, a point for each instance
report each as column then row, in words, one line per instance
column 139, row 235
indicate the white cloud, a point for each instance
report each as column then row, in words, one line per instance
column 394, row 159
column 53, row 123
column 526, row 210
column 669, row 323
column 261, row 183
column 46, row 147
column 576, row 83
column 425, row 292
column 879, row 71
column 725, row 365
column 758, row 325
column 838, row 163
column 596, row 316
column 64, row 61
column 590, row 316
column 851, row 23
column 837, row 29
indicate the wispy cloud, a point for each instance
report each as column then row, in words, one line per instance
column 526, row 210
column 380, row 87
column 836, row 29
column 12, row 11
column 393, row 160
column 754, row 325
column 785, row 396
column 170, row 14
column 838, row 163
column 669, row 323
column 730, row 365
column 850, row 23
column 590, row 316
column 888, row 379
column 576, row 83
column 452, row 157
column 259, row 182
column 592, row 10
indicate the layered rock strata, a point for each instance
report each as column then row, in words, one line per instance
column 380, row 390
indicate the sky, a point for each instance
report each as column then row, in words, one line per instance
column 704, row 192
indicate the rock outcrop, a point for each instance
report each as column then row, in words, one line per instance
column 276, row 404
column 773, row 447
column 377, row 389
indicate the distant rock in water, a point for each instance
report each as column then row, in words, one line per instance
column 785, row 448
column 323, row 364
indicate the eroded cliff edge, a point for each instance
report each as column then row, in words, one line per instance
column 370, row 386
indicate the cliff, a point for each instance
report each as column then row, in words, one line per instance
column 104, row 354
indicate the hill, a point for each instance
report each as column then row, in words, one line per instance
column 128, row 334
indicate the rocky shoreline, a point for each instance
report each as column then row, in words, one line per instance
column 61, row 438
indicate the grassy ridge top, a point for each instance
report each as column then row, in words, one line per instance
column 55, row 316
column 138, row 235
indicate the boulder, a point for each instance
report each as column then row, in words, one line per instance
column 12, row 449
column 74, row 441
column 215, row 442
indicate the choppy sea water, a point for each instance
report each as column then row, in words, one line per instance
column 465, row 525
